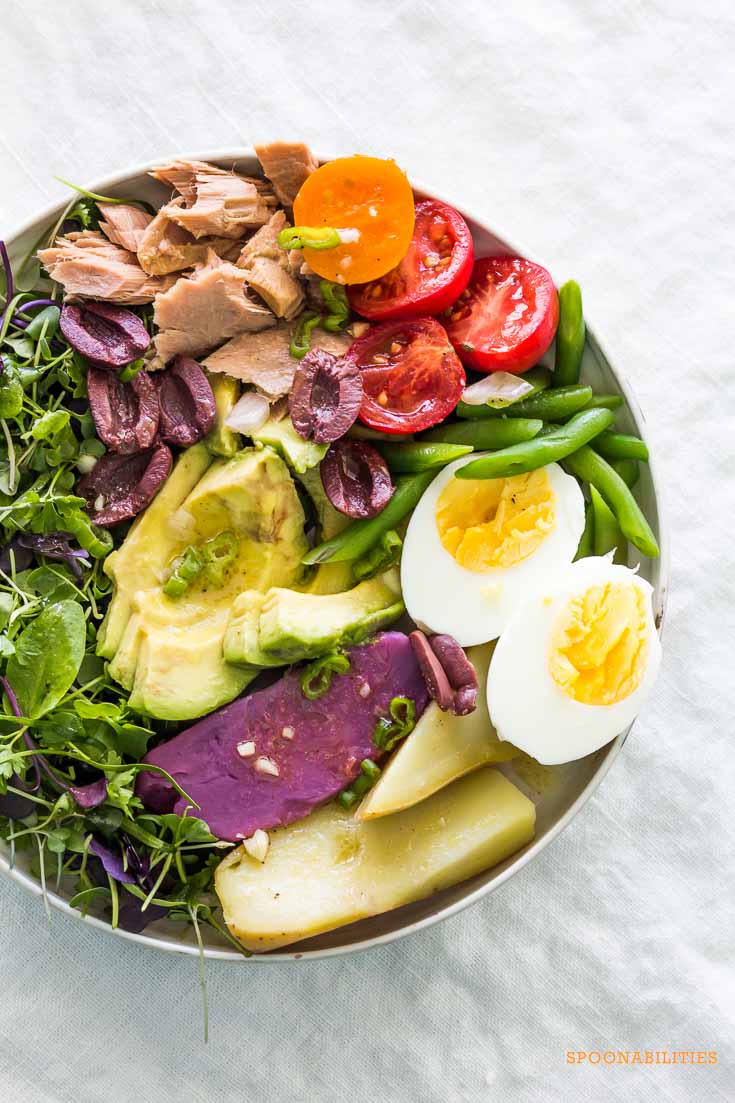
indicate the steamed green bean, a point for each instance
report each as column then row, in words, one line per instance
column 554, row 445
column 570, row 334
column 592, row 468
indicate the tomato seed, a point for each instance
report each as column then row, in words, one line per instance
column 395, row 348
column 431, row 260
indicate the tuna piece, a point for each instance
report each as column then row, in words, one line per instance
column 166, row 247
column 276, row 287
column 264, row 243
column 270, row 758
column 124, row 224
column 264, row 359
column 88, row 266
column 200, row 312
column 286, row 164
column 216, row 202
column 269, row 270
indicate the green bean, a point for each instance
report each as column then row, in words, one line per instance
column 554, row 445
column 608, row 534
column 586, row 544
column 487, row 435
column 570, row 335
column 359, row 536
column 556, row 404
column 605, row 402
column 417, row 456
column 621, row 446
column 628, row 471
column 539, row 378
column 591, row 468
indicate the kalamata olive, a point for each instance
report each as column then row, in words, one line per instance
column 119, row 487
column 356, row 478
column 432, row 671
column 450, row 677
column 325, row 397
column 187, row 404
column 465, row 700
column 457, row 667
column 108, row 335
column 125, row 414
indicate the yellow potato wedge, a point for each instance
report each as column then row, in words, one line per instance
column 331, row 869
column 441, row 748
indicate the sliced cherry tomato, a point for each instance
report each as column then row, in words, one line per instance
column 368, row 196
column 432, row 274
column 411, row 376
column 506, row 317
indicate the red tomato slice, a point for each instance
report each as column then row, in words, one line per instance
column 506, row 317
column 432, row 274
column 411, row 375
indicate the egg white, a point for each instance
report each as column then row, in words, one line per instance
column 526, row 705
column 474, row 606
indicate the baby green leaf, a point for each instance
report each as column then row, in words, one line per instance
column 47, row 656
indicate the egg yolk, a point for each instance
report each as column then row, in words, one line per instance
column 486, row 523
column 600, row 644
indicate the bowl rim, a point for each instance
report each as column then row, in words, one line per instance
column 170, row 945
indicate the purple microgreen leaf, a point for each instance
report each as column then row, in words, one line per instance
column 89, row 796
column 132, row 918
column 12, row 805
column 112, row 862
column 54, row 545
column 9, row 283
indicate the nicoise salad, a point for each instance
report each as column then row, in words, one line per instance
column 310, row 522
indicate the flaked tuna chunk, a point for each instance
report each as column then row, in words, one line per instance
column 264, row 243
column 202, row 310
column 216, row 203
column 166, row 247
column 286, row 164
column 88, row 266
column 263, row 359
column 124, row 224
column 276, row 287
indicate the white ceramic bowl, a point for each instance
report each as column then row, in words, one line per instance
column 566, row 788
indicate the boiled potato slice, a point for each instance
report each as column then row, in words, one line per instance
column 441, row 747
column 332, row 869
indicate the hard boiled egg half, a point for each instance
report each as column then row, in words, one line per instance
column 576, row 662
column 476, row 548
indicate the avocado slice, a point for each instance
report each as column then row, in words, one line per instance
column 286, row 626
column 328, row 578
column 170, row 652
column 222, row 441
column 241, row 642
column 148, row 546
column 298, row 453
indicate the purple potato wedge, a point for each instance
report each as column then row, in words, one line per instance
column 316, row 746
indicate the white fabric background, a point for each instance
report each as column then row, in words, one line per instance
column 601, row 135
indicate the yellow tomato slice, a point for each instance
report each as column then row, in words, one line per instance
column 371, row 199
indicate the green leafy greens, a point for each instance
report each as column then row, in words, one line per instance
column 70, row 745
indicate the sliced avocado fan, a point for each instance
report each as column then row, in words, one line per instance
column 285, row 626
column 168, row 651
